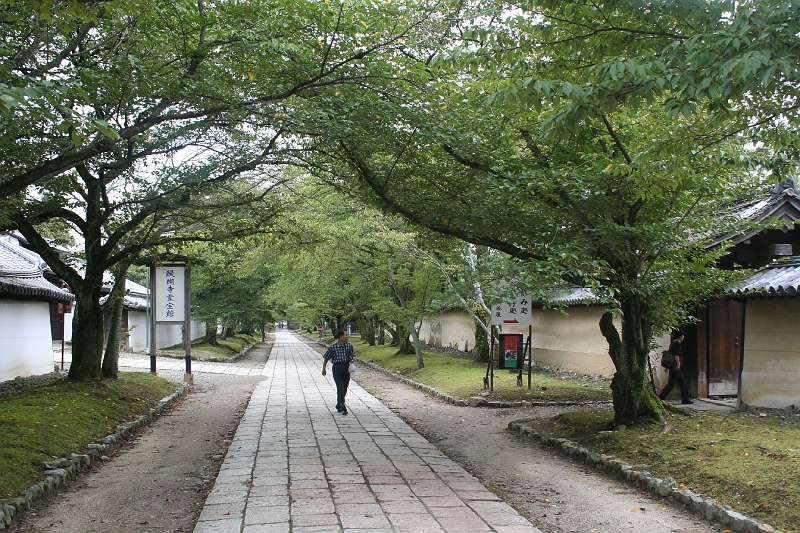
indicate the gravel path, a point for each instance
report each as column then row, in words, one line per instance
column 555, row 494
column 159, row 479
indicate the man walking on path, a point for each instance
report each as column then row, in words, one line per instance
column 341, row 354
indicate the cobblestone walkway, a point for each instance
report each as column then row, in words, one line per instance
column 297, row 466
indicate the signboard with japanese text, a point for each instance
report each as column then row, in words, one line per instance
column 512, row 353
column 517, row 312
column 170, row 294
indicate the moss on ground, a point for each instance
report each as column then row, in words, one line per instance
column 750, row 461
column 54, row 418
column 462, row 377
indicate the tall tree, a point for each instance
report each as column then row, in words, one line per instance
column 116, row 227
column 565, row 134
column 82, row 79
column 230, row 283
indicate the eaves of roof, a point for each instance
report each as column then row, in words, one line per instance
column 21, row 276
column 572, row 297
column 33, row 288
column 778, row 279
column 783, row 206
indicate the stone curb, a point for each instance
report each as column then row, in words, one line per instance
column 708, row 508
column 235, row 357
column 460, row 401
column 59, row 471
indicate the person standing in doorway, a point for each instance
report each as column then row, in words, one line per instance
column 675, row 374
column 340, row 354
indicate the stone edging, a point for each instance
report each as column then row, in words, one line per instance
column 417, row 385
column 59, row 471
column 708, row 508
column 460, row 401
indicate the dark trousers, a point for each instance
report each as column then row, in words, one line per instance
column 676, row 375
column 341, row 377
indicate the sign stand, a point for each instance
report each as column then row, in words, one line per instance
column 519, row 362
column 170, row 289
column 510, row 345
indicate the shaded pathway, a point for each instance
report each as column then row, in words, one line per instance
column 296, row 465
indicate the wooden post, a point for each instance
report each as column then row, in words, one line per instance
column 152, row 318
column 187, row 327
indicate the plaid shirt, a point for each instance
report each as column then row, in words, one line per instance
column 339, row 353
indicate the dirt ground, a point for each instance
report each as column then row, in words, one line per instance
column 555, row 494
column 159, row 480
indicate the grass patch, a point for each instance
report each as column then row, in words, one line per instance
column 50, row 420
column 224, row 349
column 462, row 377
column 745, row 460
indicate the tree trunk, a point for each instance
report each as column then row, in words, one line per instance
column 404, row 343
column 111, row 358
column 371, row 331
column 481, row 349
column 87, row 338
column 629, row 352
column 415, row 341
column 115, row 305
column 381, row 334
column 396, row 334
column 211, row 336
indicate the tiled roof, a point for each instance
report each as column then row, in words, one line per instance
column 135, row 295
column 571, row 297
column 782, row 205
column 778, row 279
column 21, row 275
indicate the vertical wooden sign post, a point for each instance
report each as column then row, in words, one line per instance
column 170, row 287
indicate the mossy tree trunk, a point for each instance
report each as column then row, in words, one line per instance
column 629, row 353
column 87, row 335
column 404, row 343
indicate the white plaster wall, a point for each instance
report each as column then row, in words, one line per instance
column 569, row 341
column 26, row 345
column 166, row 334
column 771, row 370
column 451, row 329
column 137, row 327
column 68, row 317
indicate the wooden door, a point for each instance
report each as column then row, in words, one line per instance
column 724, row 347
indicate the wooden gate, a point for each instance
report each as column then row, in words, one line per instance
column 724, row 347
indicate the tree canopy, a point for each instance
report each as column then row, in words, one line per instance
column 588, row 140
column 130, row 121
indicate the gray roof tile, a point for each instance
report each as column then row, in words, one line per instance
column 21, row 275
column 778, row 279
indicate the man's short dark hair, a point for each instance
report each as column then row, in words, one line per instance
column 677, row 333
column 339, row 333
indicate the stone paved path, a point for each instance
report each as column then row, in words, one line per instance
column 296, row 465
